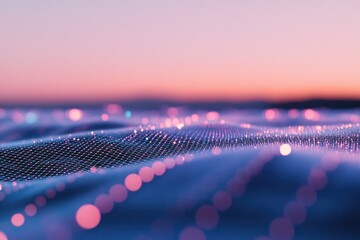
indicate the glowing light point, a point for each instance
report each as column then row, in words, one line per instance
column 169, row 163
column 40, row 201
column 312, row 115
column 211, row 116
column 207, row 217
column 104, row 203
column 31, row 117
column 128, row 114
column 293, row 113
column 192, row 233
column 270, row 114
column 113, row 108
column 104, row 117
column 75, row 114
column 118, row 193
column 3, row 236
column 285, row 149
column 30, row 210
column 216, row 150
column 17, row 219
column 133, row 182
column 88, row 216
column 159, row 168
column 172, row 111
column 195, row 117
column 146, row 174
column 222, row 200
column 18, row 117
column 50, row 193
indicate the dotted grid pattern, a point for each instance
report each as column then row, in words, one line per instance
column 81, row 152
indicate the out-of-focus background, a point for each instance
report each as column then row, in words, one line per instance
column 91, row 51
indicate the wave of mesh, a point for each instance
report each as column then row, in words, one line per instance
column 103, row 149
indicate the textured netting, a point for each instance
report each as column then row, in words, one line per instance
column 71, row 153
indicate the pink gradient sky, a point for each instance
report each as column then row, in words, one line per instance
column 58, row 51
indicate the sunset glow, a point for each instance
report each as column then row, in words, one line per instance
column 186, row 50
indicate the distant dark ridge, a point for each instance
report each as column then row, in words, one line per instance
column 319, row 103
column 144, row 104
column 218, row 105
